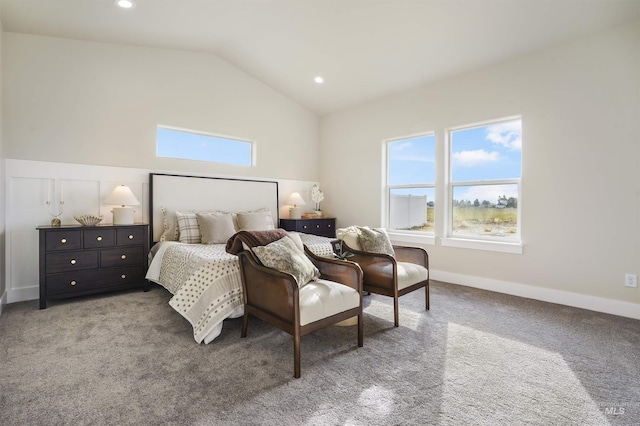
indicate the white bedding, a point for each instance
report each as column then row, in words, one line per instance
column 205, row 281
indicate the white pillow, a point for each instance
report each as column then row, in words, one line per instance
column 171, row 230
column 297, row 240
column 169, row 225
column 215, row 228
column 349, row 236
column 256, row 220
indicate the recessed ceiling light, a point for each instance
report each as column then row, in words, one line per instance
column 125, row 4
column 319, row 80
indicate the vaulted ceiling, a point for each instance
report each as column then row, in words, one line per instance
column 364, row 49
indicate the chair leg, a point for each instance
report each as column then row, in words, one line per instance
column 245, row 323
column 296, row 354
column 396, row 316
column 360, row 331
column 426, row 294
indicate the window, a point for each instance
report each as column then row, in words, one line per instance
column 193, row 145
column 484, row 183
column 410, row 197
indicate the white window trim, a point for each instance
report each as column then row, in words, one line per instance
column 477, row 242
column 420, row 237
column 487, row 245
column 415, row 237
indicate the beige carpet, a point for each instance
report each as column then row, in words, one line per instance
column 476, row 358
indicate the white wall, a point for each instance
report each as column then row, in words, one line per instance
column 93, row 103
column 3, row 294
column 82, row 116
column 580, row 107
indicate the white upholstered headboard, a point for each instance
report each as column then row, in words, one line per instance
column 180, row 192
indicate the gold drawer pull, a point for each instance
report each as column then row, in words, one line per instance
column 63, row 241
column 73, row 282
column 73, row 261
column 99, row 238
column 123, row 276
column 123, row 257
column 131, row 236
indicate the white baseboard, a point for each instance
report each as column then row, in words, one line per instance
column 576, row 300
column 3, row 301
column 23, row 294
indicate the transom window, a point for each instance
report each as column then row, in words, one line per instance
column 194, row 145
column 485, row 164
column 411, row 183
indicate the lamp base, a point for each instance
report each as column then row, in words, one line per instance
column 122, row 215
column 295, row 213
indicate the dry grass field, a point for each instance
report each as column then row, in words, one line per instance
column 480, row 221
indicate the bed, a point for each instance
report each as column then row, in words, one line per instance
column 191, row 218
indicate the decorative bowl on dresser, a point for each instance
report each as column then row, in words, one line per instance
column 325, row 226
column 78, row 260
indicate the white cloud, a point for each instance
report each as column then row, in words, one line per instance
column 414, row 158
column 507, row 134
column 473, row 158
column 401, row 146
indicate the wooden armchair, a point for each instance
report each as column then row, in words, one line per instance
column 275, row 297
column 383, row 274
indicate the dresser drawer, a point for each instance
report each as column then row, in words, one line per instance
column 71, row 261
column 79, row 260
column 130, row 236
column 122, row 256
column 317, row 227
column 66, row 240
column 86, row 281
column 96, row 238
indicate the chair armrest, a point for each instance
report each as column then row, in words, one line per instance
column 267, row 288
column 415, row 255
column 340, row 271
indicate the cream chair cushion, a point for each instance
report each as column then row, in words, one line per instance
column 410, row 274
column 322, row 298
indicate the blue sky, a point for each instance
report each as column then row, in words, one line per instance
column 487, row 152
column 193, row 146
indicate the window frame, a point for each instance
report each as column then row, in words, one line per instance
column 252, row 145
column 407, row 235
column 478, row 241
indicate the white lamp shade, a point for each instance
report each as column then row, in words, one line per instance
column 122, row 196
column 295, row 200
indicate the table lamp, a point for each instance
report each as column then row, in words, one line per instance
column 122, row 196
column 295, row 212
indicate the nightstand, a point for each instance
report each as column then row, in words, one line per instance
column 324, row 226
column 78, row 260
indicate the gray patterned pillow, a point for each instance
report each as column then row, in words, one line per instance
column 189, row 229
column 284, row 256
column 375, row 240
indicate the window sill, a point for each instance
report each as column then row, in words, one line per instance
column 499, row 246
column 405, row 237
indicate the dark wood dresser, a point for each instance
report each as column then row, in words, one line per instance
column 324, row 226
column 78, row 260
